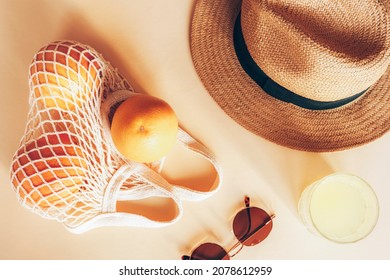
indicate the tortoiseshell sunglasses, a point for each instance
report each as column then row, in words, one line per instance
column 251, row 225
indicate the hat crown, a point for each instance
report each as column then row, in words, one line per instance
column 322, row 50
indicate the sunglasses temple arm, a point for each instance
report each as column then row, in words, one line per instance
column 247, row 201
column 233, row 248
column 240, row 243
column 260, row 227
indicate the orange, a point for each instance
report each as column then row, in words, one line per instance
column 49, row 170
column 64, row 75
column 144, row 128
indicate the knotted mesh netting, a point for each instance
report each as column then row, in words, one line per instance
column 66, row 167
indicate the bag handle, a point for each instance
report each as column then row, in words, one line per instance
column 188, row 193
column 110, row 217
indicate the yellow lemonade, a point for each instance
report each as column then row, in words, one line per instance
column 340, row 207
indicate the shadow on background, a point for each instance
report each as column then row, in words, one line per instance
column 78, row 29
column 23, row 28
column 287, row 172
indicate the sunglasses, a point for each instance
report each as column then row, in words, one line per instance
column 251, row 225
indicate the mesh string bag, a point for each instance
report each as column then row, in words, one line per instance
column 66, row 167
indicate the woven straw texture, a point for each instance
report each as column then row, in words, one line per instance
column 67, row 167
column 324, row 51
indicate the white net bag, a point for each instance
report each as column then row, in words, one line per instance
column 66, row 167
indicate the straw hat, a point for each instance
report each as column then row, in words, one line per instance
column 306, row 74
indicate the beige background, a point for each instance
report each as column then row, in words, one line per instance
column 148, row 41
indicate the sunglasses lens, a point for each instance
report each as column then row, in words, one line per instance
column 252, row 225
column 209, row 251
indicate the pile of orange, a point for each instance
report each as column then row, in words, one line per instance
column 48, row 171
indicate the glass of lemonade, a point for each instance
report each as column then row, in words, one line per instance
column 340, row 207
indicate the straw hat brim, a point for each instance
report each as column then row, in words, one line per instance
column 354, row 124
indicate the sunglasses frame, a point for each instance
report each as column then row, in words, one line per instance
column 240, row 243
